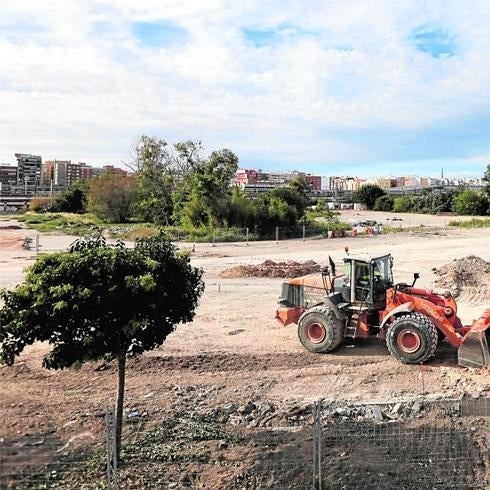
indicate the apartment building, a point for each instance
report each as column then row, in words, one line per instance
column 28, row 170
column 63, row 173
column 8, row 177
column 315, row 181
column 246, row 176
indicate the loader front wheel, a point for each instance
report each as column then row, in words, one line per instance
column 412, row 338
column 319, row 330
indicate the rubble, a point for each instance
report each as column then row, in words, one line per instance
column 254, row 414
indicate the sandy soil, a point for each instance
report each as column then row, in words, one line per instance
column 235, row 342
column 234, row 351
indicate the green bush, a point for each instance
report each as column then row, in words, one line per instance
column 384, row 203
column 471, row 203
column 401, row 204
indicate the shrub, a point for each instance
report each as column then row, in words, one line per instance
column 40, row 204
column 384, row 203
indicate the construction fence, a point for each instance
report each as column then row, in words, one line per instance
column 36, row 243
column 407, row 445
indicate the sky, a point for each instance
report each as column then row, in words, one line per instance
column 330, row 87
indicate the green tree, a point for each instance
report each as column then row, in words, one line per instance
column 486, row 179
column 368, row 194
column 442, row 202
column 205, row 197
column 271, row 210
column 153, row 168
column 72, row 200
column 301, row 187
column 486, row 182
column 241, row 210
column 402, row 204
column 321, row 205
column 111, row 197
column 188, row 157
column 293, row 197
column 471, row 203
column 100, row 301
column 384, row 203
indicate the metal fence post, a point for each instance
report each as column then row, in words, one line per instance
column 246, row 235
column 108, row 446
column 111, row 456
column 277, row 233
column 304, row 232
column 319, row 442
column 114, row 453
column 313, row 481
column 317, row 448
column 1, row 461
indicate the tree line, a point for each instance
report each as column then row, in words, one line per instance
column 177, row 185
column 458, row 201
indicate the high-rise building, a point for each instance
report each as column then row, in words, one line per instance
column 63, row 173
column 246, row 176
column 315, row 181
column 111, row 169
column 86, row 171
column 54, row 172
column 8, row 177
column 386, row 182
column 28, row 170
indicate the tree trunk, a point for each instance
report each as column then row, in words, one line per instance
column 121, row 359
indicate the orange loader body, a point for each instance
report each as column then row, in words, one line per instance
column 412, row 320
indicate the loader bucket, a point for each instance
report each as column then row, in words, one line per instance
column 474, row 352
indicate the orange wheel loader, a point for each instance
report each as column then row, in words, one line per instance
column 364, row 301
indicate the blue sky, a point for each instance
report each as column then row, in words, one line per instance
column 357, row 87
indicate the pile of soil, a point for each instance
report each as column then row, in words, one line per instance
column 269, row 268
column 469, row 274
column 11, row 242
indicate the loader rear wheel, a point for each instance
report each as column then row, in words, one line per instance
column 412, row 338
column 319, row 330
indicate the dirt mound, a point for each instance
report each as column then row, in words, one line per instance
column 10, row 242
column 469, row 276
column 269, row 268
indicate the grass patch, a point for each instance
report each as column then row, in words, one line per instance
column 471, row 223
column 131, row 231
column 67, row 223
column 88, row 225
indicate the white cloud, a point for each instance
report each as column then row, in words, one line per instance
column 75, row 79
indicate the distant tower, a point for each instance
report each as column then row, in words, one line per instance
column 442, row 173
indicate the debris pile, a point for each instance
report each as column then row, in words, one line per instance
column 269, row 268
column 259, row 414
column 469, row 273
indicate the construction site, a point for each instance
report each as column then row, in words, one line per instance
column 234, row 400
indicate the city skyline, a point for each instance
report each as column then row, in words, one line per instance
column 329, row 88
column 82, row 170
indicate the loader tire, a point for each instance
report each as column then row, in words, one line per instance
column 412, row 338
column 319, row 330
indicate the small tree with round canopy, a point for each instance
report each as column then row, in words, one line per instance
column 100, row 301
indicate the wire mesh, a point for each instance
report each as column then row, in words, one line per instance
column 442, row 444
column 41, row 457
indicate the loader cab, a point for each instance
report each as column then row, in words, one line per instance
column 366, row 280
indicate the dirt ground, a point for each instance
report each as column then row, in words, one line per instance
column 234, row 350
